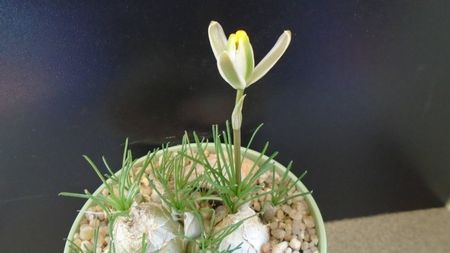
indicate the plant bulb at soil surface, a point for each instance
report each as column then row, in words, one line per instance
column 153, row 222
column 192, row 226
column 252, row 233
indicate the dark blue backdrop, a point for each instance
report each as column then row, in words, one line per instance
column 361, row 99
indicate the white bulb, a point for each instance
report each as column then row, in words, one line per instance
column 149, row 219
column 251, row 233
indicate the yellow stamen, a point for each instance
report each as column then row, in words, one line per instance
column 236, row 38
column 241, row 34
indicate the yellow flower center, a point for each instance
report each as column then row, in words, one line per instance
column 236, row 38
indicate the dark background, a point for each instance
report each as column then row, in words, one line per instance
column 360, row 99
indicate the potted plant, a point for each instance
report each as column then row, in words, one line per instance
column 203, row 195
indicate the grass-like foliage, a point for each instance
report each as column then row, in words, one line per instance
column 281, row 192
column 122, row 187
column 222, row 174
column 210, row 239
column 144, row 243
column 178, row 178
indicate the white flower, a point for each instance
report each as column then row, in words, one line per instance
column 235, row 59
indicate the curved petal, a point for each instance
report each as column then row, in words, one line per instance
column 228, row 71
column 231, row 44
column 244, row 60
column 236, row 116
column 217, row 38
column 271, row 58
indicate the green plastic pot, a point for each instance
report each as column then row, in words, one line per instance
column 250, row 154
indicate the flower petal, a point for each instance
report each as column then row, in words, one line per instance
column 231, row 44
column 228, row 71
column 244, row 60
column 217, row 38
column 236, row 116
column 271, row 58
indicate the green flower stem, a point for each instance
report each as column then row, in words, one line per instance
column 237, row 143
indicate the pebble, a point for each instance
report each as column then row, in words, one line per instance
column 306, row 237
column 103, row 231
column 288, row 237
column 297, row 227
column 89, row 215
column 94, row 223
column 314, row 239
column 148, row 170
column 266, row 248
column 86, row 232
column 256, row 206
column 309, row 221
column 101, row 215
column 302, row 235
column 289, row 232
column 105, row 191
column 314, row 250
column 286, row 208
column 155, row 197
column 304, row 246
column 288, row 226
column 280, row 214
column 221, row 212
column 269, row 213
column 77, row 242
column 296, row 215
column 86, row 246
column 146, row 191
column 280, row 247
column 273, row 225
column 295, row 244
column 206, row 214
column 311, row 231
column 278, row 233
column 145, row 181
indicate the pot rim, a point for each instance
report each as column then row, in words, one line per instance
column 250, row 154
